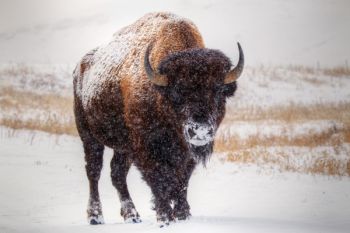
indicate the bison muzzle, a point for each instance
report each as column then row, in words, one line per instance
column 156, row 96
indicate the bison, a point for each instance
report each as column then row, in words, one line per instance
column 156, row 96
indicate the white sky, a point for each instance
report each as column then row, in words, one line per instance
column 270, row 31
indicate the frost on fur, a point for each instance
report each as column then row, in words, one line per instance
column 156, row 96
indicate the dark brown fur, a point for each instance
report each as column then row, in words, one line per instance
column 143, row 123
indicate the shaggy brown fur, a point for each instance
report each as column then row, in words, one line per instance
column 117, row 105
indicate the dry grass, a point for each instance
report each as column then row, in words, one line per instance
column 55, row 115
column 39, row 78
column 302, row 69
column 15, row 99
column 330, row 137
column 258, row 148
column 320, row 163
column 50, row 125
column 17, row 69
column 52, row 113
column 292, row 113
column 338, row 71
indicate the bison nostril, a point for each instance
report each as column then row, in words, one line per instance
column 191, row 132
column 199, row 117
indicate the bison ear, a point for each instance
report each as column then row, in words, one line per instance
column 155, row 77
column 234, row 74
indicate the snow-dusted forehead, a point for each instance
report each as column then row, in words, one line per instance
column 200, row 61
column 195, row 67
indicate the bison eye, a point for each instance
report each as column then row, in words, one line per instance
column 176, row 97
column 219, row 89
column 229, row 89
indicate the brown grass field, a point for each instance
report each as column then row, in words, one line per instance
column 56, row 112
column 52, row 113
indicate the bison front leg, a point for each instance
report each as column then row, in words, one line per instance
column 181, row 207
column 162, row 186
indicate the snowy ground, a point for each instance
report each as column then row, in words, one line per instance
column 44, row 189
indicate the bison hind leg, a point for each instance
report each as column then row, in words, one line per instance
column 94, row 159
column 120, row 166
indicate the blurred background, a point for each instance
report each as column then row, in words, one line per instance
column 297, row 32
column 281, row 159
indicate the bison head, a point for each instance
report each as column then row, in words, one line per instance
column 196, row 83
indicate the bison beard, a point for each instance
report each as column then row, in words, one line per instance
column 156, row 96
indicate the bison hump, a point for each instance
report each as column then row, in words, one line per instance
column 122, row 57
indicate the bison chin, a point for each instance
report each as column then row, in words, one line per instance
column 199, row 137
column 201, row 154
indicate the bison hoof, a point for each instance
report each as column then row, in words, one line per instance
column 163, row 224
column 133, row 219
column 183, row 216
column 182, row 213
column 96, row 220
column 129, row 212
column 164, row 220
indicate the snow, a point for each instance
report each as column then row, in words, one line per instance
column 202, row 133
column 44, row 189
column 110, row 54
column 98, row 219
column 43, row 185
column 122, row 53
column 43, row 78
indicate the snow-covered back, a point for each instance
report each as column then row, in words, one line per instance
column 122, row 55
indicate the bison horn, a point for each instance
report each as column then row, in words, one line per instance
column 234, row 74
column 155, row 77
